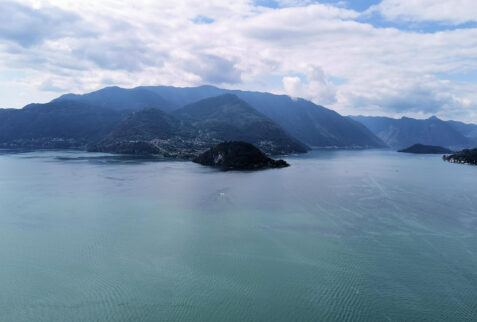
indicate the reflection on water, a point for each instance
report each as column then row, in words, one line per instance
column 339, row 235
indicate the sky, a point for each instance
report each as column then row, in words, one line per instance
column 372, row 57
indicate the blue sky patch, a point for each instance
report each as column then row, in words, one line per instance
column 203, row 20
column 468, row 76
column 337, row 80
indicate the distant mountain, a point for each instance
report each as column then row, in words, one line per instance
column 229, row 118
column 404, row 132
column 196, row 127
column 425, row 149
column 63, row 124
column 311, row 124
column 117, row 98
column 466, row 129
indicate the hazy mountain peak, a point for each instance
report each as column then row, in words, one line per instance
column 118, row 98
column 404, row 132
column 434, row 118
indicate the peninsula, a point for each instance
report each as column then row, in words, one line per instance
column 467, row 156
column 238, row 155
column 426, row 149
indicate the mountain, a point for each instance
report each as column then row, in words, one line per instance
column 181, row 96
column 275, row 123
column 228, row 118
column 117, row 98
column 152, row 131
column 307, row 122
column 466, row 129
column 312, row 124
column 63, row 124
column 149, row 124
column 425, row 149
column 196, row 127
column 404, row 132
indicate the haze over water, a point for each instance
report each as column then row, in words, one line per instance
column 339, row 235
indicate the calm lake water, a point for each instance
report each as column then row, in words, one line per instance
column 339, row 235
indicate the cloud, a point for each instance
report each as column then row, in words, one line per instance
column 27, row 26
column 214, row 69
column 51, row 86
column 453, row 12
column 297, row 45
column 316, row 88
column 419, row 97
column 128, row 54
column 424, row 97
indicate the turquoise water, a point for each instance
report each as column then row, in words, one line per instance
column 340, row 235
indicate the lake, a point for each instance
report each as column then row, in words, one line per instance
column 339, row 235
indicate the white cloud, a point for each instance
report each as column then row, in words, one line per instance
column 145, row 42
column 27, row 26
column 316, row 88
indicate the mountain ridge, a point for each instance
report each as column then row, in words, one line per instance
column 309, row 123
column 65, row 124
column 231, row 119
column 195, row 127
column 117, row 98
column 405, row 131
